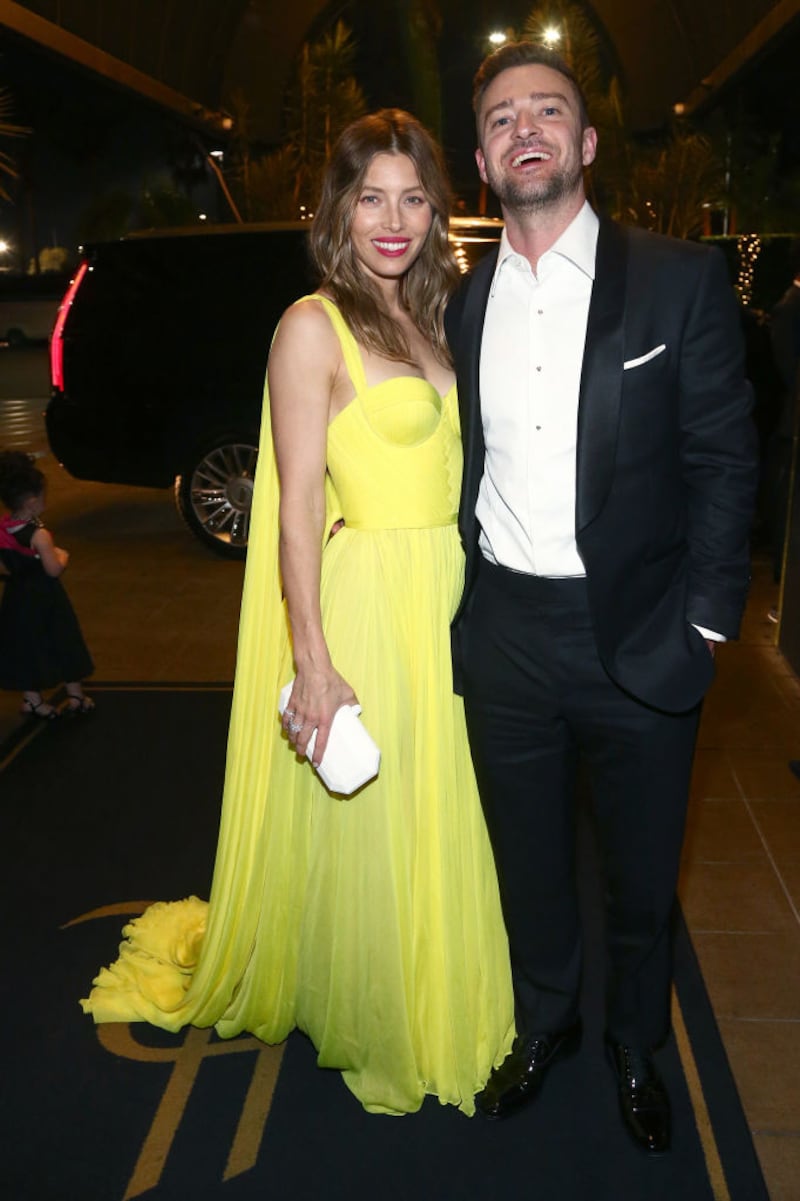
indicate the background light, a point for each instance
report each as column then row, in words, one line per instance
column 497, row 38
column 749, row 248
column 551, row 35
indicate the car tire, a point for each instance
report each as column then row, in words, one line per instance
column 214, row 492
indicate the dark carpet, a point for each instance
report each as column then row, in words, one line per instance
column 102, row 814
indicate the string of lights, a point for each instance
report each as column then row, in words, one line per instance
column 749, row 248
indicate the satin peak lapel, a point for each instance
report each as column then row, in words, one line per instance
column 468, row 368
column 601, row 378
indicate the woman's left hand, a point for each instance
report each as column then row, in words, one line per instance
column 316, row 697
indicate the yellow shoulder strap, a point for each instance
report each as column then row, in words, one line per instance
column 350, row 351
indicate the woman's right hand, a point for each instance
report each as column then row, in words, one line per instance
column 316, row 696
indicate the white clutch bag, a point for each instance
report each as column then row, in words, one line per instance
column 351, row 756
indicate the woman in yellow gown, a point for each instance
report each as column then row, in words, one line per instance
column 371, row 922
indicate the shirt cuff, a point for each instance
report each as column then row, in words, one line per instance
column 711, row 635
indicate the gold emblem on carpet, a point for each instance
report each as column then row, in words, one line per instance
column 119, row 1039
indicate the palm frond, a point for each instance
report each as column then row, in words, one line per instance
column 8, row 129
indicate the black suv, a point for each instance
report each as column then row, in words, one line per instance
column 158, row 358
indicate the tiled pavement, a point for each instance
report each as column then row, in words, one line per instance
column 740, row 884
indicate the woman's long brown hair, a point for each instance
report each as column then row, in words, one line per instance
column 425, row 288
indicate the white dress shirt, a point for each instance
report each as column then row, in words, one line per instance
column 531, row 360
column 530, row 371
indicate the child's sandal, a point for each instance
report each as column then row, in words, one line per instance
column 39, row 709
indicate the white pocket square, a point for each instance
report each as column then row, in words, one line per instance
column 644, row 358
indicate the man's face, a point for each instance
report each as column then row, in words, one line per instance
column 532, row 145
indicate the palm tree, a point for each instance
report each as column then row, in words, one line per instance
column 272, row 186
column 762, row 192
column 419, row 23
column 674, row 184
column 8, row 129
column 324, row 98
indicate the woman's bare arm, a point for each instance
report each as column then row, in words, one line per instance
column 304, row 364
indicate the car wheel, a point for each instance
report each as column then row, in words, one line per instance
column 215, row 492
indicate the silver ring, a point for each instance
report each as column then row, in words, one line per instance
column 289, row 712
column 295, row 726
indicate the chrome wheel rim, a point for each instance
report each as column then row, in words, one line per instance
column 221, row 492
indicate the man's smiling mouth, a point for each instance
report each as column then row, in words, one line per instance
column 530, row 156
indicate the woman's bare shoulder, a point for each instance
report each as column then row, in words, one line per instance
column 305, row 344
column 307, row 319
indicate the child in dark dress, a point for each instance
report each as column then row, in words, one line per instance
column 41, row 644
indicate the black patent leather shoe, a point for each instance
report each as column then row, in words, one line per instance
column 519, row 1077
column 643, row 1099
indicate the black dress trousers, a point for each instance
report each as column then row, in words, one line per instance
column 537, row 697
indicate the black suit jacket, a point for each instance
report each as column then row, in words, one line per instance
column 666, row 457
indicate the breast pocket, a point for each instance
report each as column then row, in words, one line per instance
column 647, row 414
column 655, row 356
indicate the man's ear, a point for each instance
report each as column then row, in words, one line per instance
column 589, row 145
column 481, row 161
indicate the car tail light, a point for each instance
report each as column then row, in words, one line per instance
column 57, row 337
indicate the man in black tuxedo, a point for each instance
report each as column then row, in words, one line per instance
column 608, row 488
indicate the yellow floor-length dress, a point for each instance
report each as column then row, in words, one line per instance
column 372, row 922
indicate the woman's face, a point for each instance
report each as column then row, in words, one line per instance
column 392, row 217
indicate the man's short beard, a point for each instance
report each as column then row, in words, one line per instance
column 529, row 197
